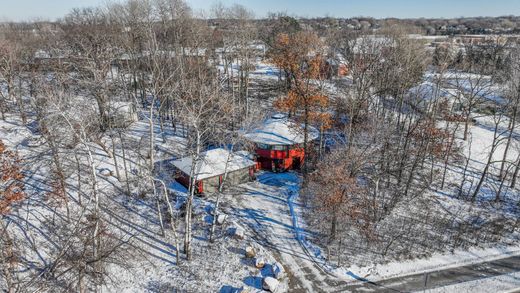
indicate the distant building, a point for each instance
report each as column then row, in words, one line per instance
column 427, row 94
column 211, row 168
column 335, row 67
column 279, row 144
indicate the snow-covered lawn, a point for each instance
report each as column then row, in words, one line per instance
column 151, row 262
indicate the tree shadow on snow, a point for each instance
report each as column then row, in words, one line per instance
column 161, row 286
column 253, row 281
column 236, row 250
column 267, row 270
column 250, row 262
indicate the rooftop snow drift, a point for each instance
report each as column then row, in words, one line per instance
column 279, row 131
column 213, row 163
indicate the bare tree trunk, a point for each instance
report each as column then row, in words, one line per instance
column 78, row 166
column 116, row 165
column 515, row 174
column 499, row 192
column 215, row 215
column 511, row 128
column 173, row 222
column 81, row 283
column 152, row 138
column 447, row 155
column 464, row 173
column 305, row 144
column 333, row 226
column 60, row 174
column 161, row 124
column 466, row 125
column 246, row 90
column 159, row 212
column 127, row 179
column 189, row 204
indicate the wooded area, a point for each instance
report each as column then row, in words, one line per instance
column 95, row 106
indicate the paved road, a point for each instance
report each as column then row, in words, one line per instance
column 441, row 278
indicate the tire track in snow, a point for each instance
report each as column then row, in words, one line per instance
column 269, row 207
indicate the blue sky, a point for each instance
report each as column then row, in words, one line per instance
column 50, row 9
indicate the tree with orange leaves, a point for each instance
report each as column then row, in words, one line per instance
column 11, row 191
column 339, row 200
column 11, row 179
column 301, row 57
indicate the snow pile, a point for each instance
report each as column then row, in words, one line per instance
column 278, row 271
column 270, row 284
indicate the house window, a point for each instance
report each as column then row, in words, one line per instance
column 279, row 147
column 262, row 146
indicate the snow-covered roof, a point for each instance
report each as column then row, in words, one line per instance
column 41, row 54
column 213, row 163
column 465, row 83
column 423, row 37
column 368, row 43
column 429, row 91
column 481, row 86
column 279, row 131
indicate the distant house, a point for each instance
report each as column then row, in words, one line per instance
column 212, row 166
column 483, row 86
column 336, row 67
column 279, row 143
column 426, row 94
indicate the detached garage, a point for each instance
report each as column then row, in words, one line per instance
column 211, row 168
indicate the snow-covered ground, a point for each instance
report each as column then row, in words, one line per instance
column 261, row 68
column 270, row 207
column 151, row 264
column 476, row 149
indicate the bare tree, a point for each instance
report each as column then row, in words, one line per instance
column 202, row 111
column 11, row 192
column 513, row 103
column 89, row 41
